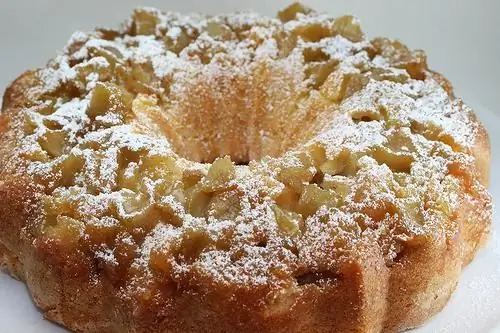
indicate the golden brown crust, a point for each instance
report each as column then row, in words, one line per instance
column 356, row 267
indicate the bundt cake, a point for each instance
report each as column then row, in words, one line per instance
column 239, row 173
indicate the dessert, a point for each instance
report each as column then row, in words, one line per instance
column 239, row 173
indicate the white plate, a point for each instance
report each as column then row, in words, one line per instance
column 474, row 308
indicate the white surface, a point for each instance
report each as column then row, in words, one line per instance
column 461, row 38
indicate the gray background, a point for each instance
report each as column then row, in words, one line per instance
column 461, row 37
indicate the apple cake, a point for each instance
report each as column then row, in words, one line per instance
column 239, row 173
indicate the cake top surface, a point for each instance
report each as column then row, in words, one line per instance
column 240, row 150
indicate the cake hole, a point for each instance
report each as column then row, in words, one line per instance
column 230, row 117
